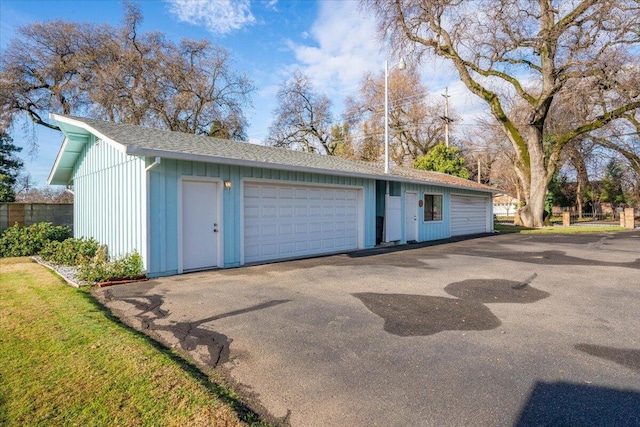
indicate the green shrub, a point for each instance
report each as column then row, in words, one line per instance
column 128, row 267
column 27, row 241
column 100, row 269
column 71, row 251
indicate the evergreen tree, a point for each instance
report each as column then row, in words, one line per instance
column 10, row 166
column 443, row 159
column 612, row 190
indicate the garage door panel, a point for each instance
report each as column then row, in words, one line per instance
column 251, row 251
column 285, row 230
column 286, row 248
column 328, row 194
column 252, row 232
column 315, row 227
column 268, row 192
column 268, row 230
column 314, row 194
column 268, row 249
column 286, row 211
column 298, row 221
column 269, row 212
column 251, row 211
column 285, row 193
column 251, row 192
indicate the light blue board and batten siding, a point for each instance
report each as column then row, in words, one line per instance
column 163, row 210
column 109, row 197
column 430, row 230
column 436, row 230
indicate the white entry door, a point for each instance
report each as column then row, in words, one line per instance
column 411, row 216
column 200, row 225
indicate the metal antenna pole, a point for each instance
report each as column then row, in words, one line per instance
column 386, row 117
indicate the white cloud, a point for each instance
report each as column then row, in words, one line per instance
column 342, row 44
column 271, row 4
column 345, row 48
column 218, row 16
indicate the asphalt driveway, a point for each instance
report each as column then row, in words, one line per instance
column 502, row 330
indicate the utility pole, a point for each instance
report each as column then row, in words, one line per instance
column 446, row 116
column 479, row 170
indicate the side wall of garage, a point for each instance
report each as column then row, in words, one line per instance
column 478, row 220
column 163, row 206
column 428, row 230
column 109, row 200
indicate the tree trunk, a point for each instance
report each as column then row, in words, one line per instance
column 579, row 198
column 582, row 181
column 532, row 214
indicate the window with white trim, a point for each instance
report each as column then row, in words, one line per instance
column 433, row 207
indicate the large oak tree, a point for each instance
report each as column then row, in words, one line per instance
column 527, row 52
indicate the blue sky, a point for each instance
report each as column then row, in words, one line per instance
column 333, row 42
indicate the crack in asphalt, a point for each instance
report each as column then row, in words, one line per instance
column 190, row 335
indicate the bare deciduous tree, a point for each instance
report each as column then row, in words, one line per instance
column 625, row 140
column 415, row 124
column 530, row 50
column 122, row 75
column 303, row 118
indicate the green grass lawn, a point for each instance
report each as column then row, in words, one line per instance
column 65, row 361
column 553, row 229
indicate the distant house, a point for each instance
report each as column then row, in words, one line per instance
column 188, row 202
column 505, row 204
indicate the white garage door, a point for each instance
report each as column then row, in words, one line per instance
column 468, row 215
column 285, row 221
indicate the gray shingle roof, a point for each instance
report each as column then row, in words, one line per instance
column 145, row 141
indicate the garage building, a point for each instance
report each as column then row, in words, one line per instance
column 188, row 202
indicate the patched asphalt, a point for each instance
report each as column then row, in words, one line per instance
column 505, row 330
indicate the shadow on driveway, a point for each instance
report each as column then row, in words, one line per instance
column 567, row 404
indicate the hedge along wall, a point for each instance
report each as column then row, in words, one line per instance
column 27, row 214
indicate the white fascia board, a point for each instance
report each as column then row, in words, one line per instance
column 149, row 152
column 58, row 159
column 79, row 124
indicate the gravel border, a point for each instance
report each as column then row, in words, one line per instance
column 67, row 272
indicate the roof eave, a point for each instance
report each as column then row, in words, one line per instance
column 149, row 152
column 82, row 125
